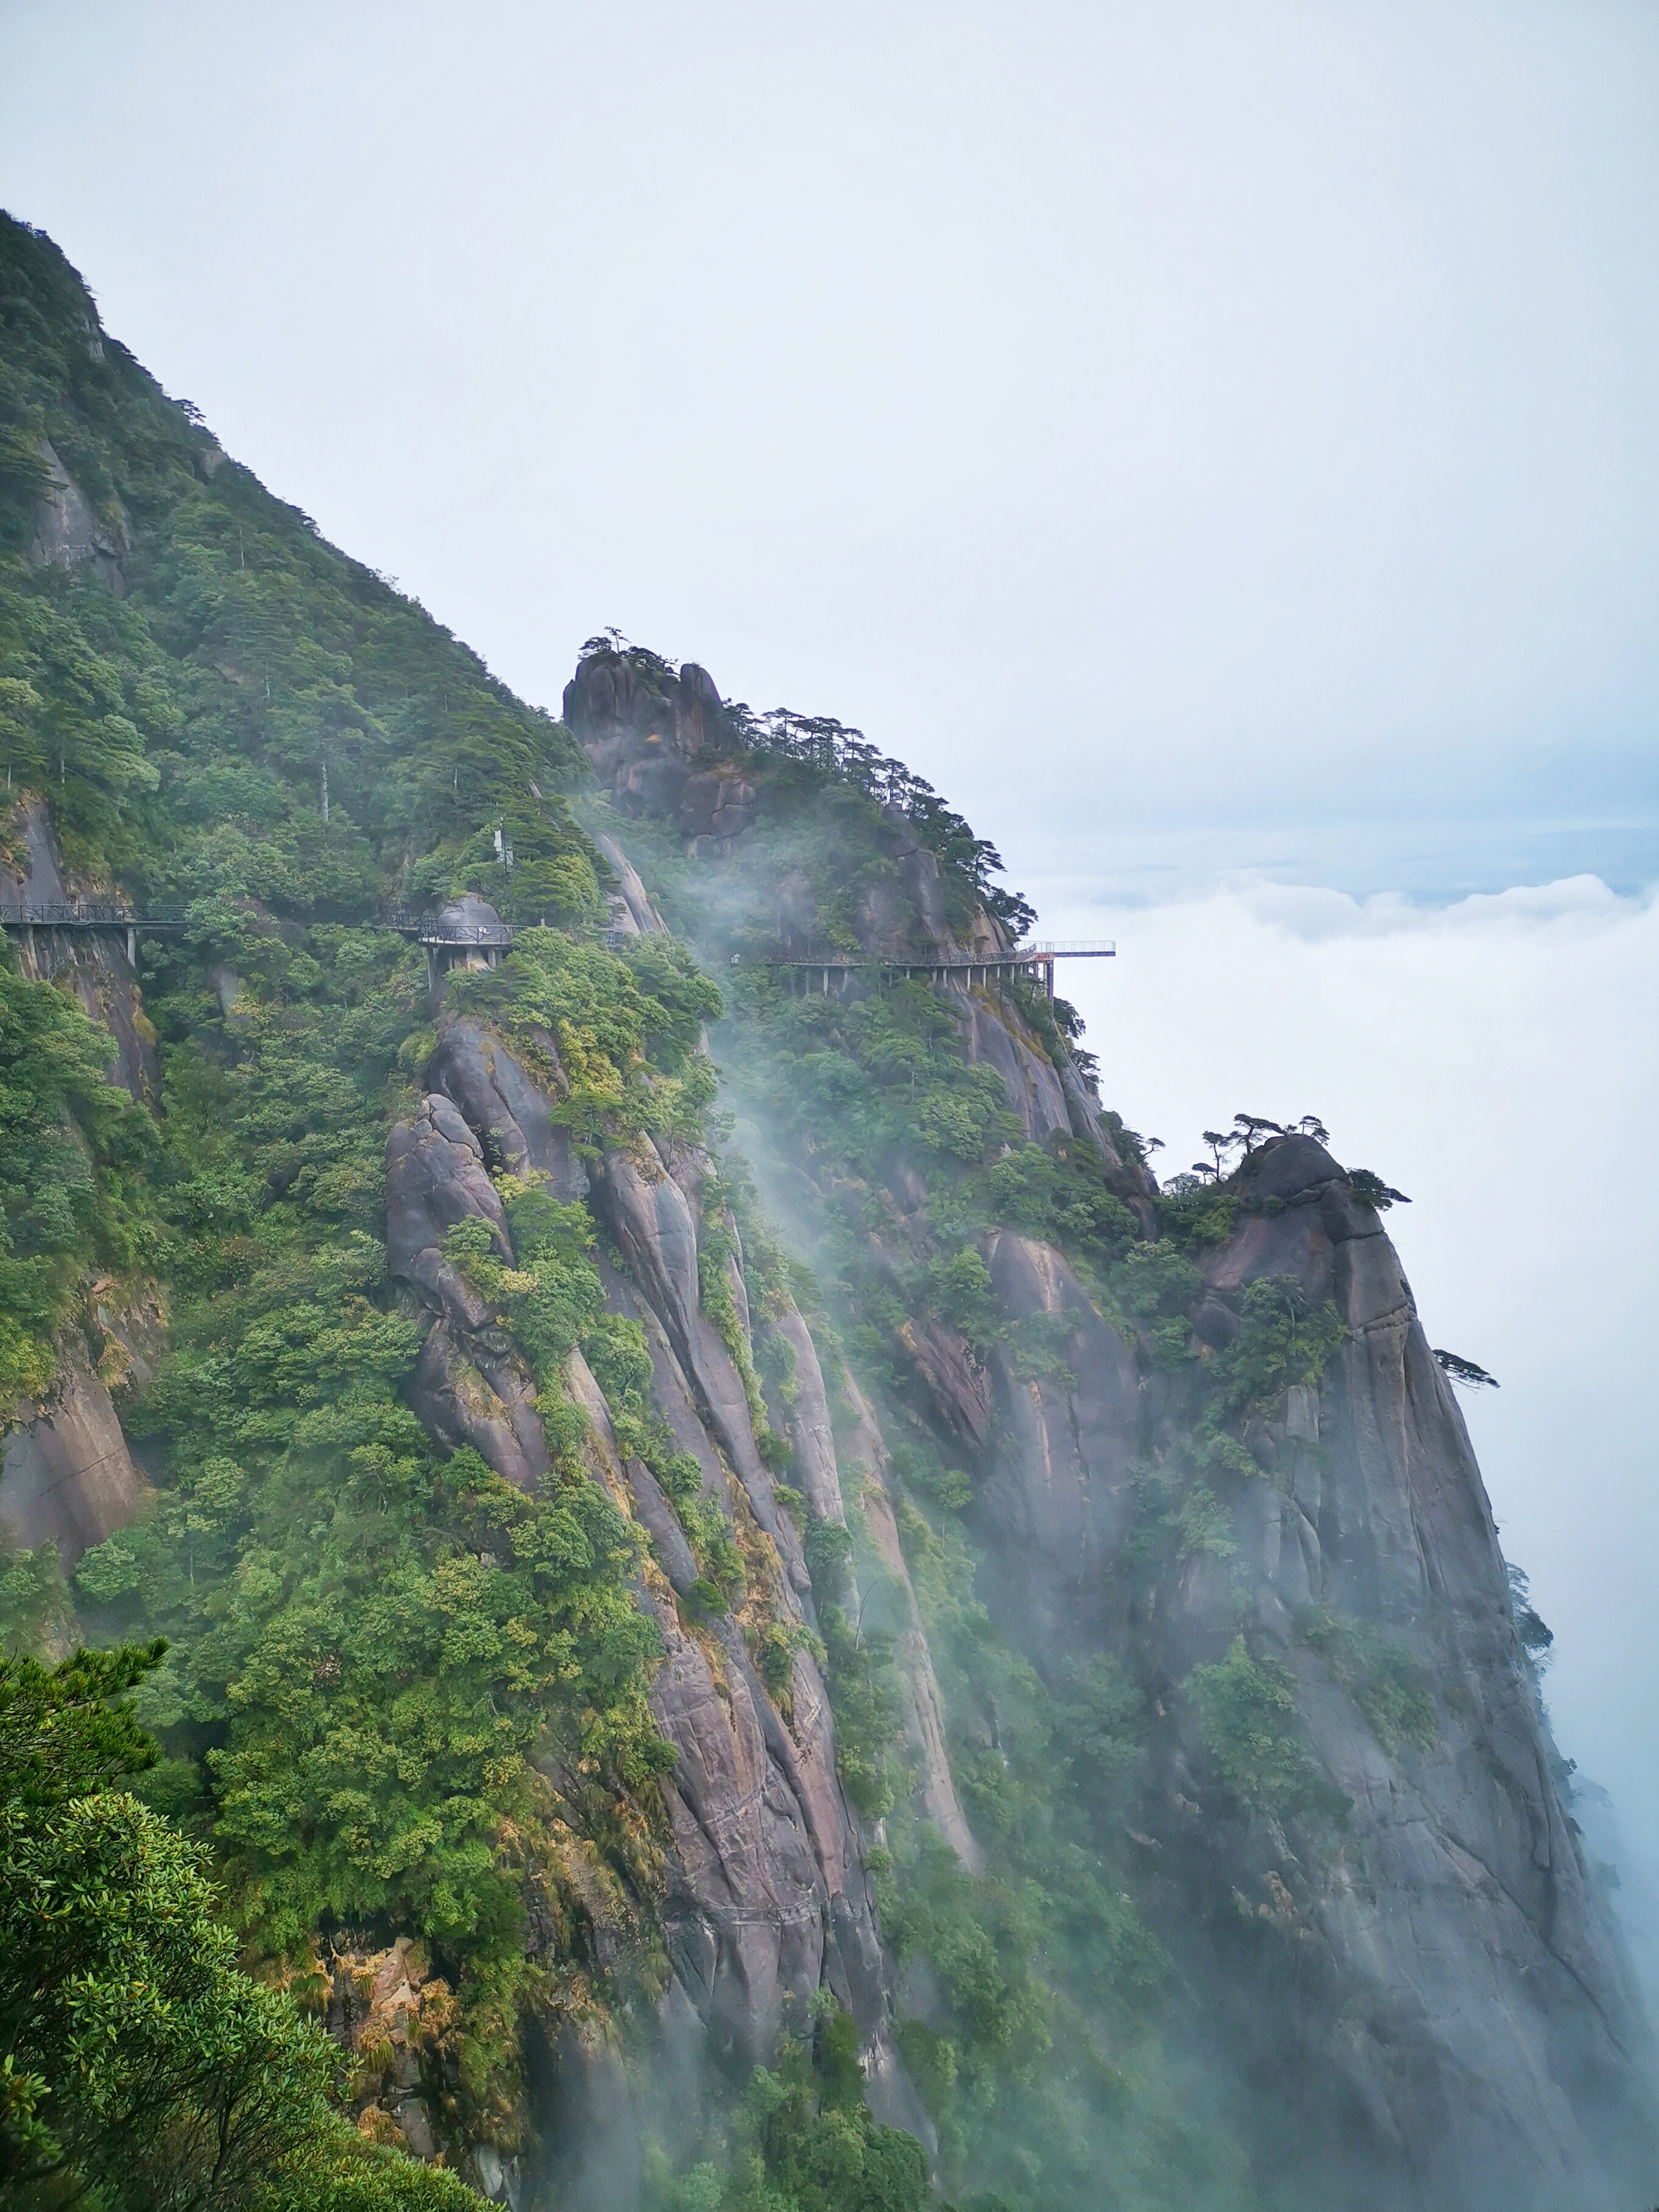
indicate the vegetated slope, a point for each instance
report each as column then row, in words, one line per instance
column 971, row 1645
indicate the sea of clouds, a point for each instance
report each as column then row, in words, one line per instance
column 1497, row 1059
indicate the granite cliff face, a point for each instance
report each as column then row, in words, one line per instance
column 1087, row 1716
column 1422, row 2002
column 766, row 1899
column 1418, row 2004
column 67, row 1477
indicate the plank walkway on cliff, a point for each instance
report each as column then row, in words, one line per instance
column 439, row 932
column 434, row 930
column 1035, row 961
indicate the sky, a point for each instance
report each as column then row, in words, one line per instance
column 1215, row 442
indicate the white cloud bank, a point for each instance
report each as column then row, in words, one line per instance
column 1498, row 1060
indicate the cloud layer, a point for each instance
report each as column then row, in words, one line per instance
column 1498, row 1060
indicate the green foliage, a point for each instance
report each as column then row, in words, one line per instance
column 828, row 1549
column 920, row 1467
column 141, row 2067
column 1039, row 1344
column 861, row 1080
column 553, row 1296
column 167, row 2078
column 1155, row 1280
column 373, row 1642
column 1196, row 1213
column 1537, row 1637
column 1370, row 1189
column 1037, row 2061
column 1102, row 1722
column 74, row 1155
column 628, row 1059
column 1057, row 1192
column 978, row 1939
column 1245, row 1709
column 1282, row 1341
column 679, row 999
column 1178, row 1516
column 959, row 1291
column 863, row 1697
column 803, row 2141
column 34, row 1606
column 1390, row 1688
column 61, row 1734
column 616, row 1352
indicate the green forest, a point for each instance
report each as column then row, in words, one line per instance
column 342, row 1701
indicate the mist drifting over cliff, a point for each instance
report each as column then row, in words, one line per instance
column 1455, row 1047
column 767, row 1609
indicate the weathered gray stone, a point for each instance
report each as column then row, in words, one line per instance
column 997, row 1039
column 68, row 533
column 68, row 1478
column 435, row 1178
column 512, row 1115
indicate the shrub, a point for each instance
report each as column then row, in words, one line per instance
column 1392, row 1689
column 1245, row 1709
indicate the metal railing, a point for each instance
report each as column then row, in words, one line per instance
column 1016, row 956
column 436, row 929
column 87, row 914
column 104, row 913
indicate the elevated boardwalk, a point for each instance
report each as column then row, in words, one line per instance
column 437, row 932
column 1035, row 961
column 451, row 931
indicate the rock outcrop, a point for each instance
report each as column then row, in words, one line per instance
column 661, row 740
column 68, row 1478
column 1489, row 2032
column 767, row 1898
column 1424, row 2006
column 70, row 533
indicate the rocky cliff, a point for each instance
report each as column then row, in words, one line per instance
column 742, row 1579
column 1414, row 1982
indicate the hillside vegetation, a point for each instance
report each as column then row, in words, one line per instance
column 716, row 1602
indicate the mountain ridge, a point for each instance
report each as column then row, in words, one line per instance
column 966, row 1649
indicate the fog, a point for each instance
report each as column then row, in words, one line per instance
column 1202, row 439
column 1495, row 1059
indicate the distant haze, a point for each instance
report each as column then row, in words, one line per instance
column 1240, row 419
column 1219, row 444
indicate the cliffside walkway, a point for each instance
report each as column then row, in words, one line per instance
column 431, row 930
column 450, row 932
column 1035, row 961
column 89, row 915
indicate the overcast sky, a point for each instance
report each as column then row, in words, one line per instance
column 1243, row 413
column 1216, row 441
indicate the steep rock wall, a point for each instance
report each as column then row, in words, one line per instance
column 69, row 1479
column 767, row 1898
column 1423, row 2004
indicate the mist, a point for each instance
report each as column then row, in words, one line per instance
column 1219, row 448
column 1493, row 1059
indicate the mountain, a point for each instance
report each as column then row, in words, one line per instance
column 758, row 1615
